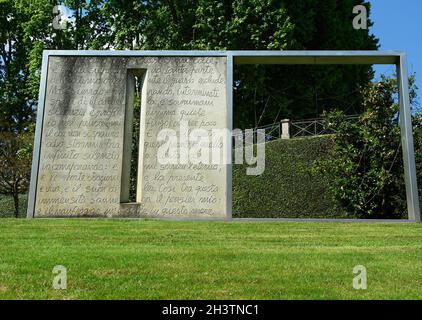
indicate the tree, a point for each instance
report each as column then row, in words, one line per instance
column 263, row 94
column 266, row 94
column 25, row 31
column 15, row 164
column 15, row 109
column 366, row 164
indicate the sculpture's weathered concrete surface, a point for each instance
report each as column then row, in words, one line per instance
column 82, row 147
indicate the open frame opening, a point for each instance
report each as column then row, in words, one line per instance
column 355, row 57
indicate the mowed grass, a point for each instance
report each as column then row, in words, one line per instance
column 146, row 259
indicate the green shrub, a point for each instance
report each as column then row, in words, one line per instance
column 366, row 163
column 287, row 188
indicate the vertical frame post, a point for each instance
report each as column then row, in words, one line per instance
column 229, row 170
column 37, row 140
column 407, row 141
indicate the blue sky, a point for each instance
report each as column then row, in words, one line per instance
column 398, row 26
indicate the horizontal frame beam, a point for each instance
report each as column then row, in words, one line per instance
column 255, row 57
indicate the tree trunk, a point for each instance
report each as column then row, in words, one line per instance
column 77, row 24
column 16, row 203
column 173, row 11
column 227, row 10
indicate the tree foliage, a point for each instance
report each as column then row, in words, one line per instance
column 15, row 164
column 263, row 94
column 366, row 164
column 25, row 31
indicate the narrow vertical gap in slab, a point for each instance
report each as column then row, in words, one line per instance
column 132, row 145
column 142, row 75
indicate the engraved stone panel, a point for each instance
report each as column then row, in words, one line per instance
column 83, row 137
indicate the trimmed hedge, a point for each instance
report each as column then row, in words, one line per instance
column 286, row 189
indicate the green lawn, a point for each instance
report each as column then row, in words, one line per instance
column 144, row 259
